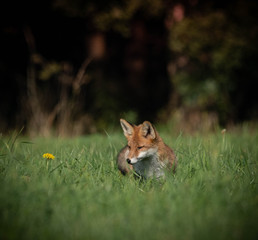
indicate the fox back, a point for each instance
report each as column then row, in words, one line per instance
column 145, row 153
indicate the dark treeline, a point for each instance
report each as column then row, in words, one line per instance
column 74, row 66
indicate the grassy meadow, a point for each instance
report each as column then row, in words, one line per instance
column 81, row 195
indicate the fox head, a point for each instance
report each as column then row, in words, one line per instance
column 142, row 141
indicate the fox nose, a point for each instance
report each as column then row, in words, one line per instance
column 128, row 160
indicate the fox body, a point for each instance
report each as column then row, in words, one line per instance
column 146, row 153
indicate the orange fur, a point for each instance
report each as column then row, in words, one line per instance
column 146, row 152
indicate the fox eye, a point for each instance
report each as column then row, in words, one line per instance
column 129, row 147
column 140, row 147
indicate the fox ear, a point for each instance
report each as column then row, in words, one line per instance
column 127, row 127
column 148, row 130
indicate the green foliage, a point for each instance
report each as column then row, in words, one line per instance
column 112, row 15
column 50, row 69
column 81, row 195
column 209, row 49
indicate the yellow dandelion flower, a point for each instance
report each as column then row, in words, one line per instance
column 48, row 156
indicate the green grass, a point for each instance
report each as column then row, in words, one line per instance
column 81, row 195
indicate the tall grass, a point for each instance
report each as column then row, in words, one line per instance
column 81, row 195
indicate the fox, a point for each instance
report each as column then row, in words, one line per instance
column 146, row 154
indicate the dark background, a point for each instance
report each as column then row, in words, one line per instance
column 75, row 67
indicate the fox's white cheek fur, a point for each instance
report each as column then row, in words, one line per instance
column 134, row 160
column 142, row 155
column 148, row 153
column 151, row 152
column 139, row 157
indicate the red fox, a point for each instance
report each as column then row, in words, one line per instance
column 146, row 153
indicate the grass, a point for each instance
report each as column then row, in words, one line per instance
column 81, row 195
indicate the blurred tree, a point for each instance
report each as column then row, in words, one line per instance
column 132, row 71
column 112, row 15
column 214, row 60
